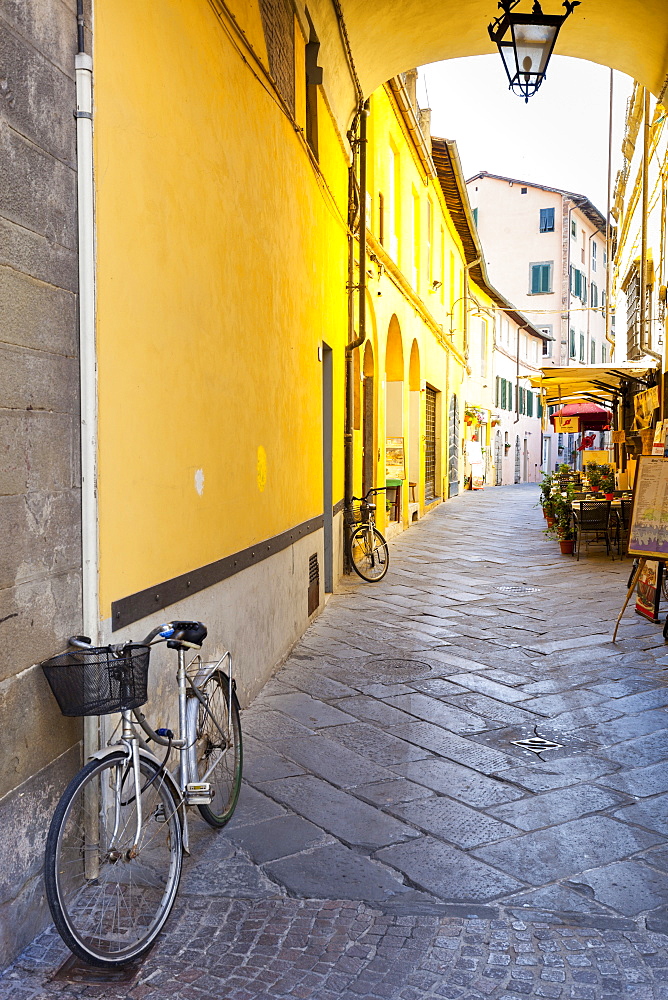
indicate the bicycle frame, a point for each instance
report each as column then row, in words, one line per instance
column 137, row 748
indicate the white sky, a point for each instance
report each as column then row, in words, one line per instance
column 560, row 138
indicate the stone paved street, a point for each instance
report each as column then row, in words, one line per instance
column 392, row 839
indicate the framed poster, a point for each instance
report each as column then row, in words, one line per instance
column 395, row 462
column 644, row 405
column 648, row 590
column 648, row 535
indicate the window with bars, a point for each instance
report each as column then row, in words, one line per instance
column 582, row 348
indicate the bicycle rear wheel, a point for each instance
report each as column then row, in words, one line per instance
column 214, row 738
column 109, row 897
column 369, row 554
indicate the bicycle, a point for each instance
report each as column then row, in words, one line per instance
column 367, row 549
column 115, row 845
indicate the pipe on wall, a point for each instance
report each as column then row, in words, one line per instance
column 359, row 156
column 87, row 354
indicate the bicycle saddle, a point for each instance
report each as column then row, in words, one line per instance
column 187, row 635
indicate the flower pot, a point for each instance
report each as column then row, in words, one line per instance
column 609, row 496
column 566, row 546
column 550, row 520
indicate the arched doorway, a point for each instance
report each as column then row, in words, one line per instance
column 368, row 422
column 498, row 459
column 453, row 446
column 414, row 425
column 394, row 415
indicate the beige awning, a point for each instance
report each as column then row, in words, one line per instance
column 591, row 383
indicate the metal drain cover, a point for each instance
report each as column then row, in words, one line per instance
column 518, row 590
column 397, row 669
column 537, row 744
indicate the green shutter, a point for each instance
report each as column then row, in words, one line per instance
column 510, row 395
column 503, row 394
column 529, row 404
column 540, row 405
column 535, row 279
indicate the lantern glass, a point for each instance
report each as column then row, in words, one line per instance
column 533, row 45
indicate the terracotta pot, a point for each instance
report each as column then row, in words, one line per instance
column 609, row 496
column 566, row 546
column 550, row 520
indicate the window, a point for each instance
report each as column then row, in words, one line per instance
column 547, row 220
column 313, row 81
column 521, row 394
column 602, row 301
column 604, row 353
column 593, row 295
column 497, row 395
column 541, row 278
column 582, row 348
column 529, row 404
column 583, row 248
column 523, row 191
column 504, row 395
column 571, row 344
column 475, row 216
column 547, row 344
column 593, row 352
column 574, row 229
column 593, row 256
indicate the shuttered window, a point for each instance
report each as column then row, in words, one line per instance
column 541, row 278
column 547, row 220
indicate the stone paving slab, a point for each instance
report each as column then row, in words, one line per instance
column 346, row 872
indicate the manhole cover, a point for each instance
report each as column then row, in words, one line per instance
column 537, row 744
column 518, row 590
column 398, row 668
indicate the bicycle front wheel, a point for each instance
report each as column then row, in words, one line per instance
column 109, row 890
column 214, row 738
column 369, row 553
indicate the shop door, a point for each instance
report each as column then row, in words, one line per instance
column 498, row 459
column 430, row 446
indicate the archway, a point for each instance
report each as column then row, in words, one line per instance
column 414, row 426
column 368, row 422
column 394, row 417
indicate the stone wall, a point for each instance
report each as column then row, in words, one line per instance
column 40, row 560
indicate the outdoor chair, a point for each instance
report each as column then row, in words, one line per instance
column 623, row 524
column 593, row 518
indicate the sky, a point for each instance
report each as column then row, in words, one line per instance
column 560, row 138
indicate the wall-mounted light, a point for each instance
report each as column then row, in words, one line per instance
column 525, row 43
column 436, row 284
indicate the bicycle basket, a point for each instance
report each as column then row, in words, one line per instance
column 96, row 682
column 357, row 513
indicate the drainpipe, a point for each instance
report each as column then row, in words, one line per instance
column 608, row 234
column 355, row 342
column 87, row 352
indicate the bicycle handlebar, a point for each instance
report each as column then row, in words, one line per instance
column 376, row 489
column 178, row 633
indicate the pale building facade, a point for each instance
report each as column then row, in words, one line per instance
column 517, row 416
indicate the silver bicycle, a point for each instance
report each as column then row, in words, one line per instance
column 115, row 846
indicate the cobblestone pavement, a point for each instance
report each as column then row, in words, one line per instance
column 393, row 838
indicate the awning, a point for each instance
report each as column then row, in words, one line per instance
column 590, row 383
column 592, row 416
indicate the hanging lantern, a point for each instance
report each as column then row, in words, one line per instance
column 525, row 42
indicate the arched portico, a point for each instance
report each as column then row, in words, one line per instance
column 629, row 36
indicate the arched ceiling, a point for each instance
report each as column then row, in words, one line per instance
column 388, row 37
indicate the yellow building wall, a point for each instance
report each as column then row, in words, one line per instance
column 211, row 299
column 400, row 277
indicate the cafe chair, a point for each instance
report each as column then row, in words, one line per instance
column 593, row 518
column 623, row 524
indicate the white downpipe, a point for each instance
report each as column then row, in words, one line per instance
column 87, row 364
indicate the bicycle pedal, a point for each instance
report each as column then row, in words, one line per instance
column 199, row 793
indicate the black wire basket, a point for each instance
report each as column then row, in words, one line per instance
column 357, row 513
column 96, row 681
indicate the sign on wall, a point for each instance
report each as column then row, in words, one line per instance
column 567, row 425
column 395, row 461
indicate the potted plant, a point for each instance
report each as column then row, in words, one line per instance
column 545, row 498
column 608, row 484
column 563, row 521
column 594, row 476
